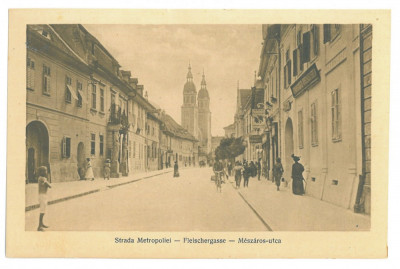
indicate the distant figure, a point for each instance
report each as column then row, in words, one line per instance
column 253, row 169
column 176, row 169
column 297, row 175
column 246, row 174
column 43, row 185
column 238, row 173
column 107, row 168
column 277, row 171
column 259, row 169
column 230, row 167
column 89, row 170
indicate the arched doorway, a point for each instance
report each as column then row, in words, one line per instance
column 81, row 160
column 289, row 147
column 37, row 149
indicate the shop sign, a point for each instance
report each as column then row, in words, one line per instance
column 258, row 118
column 305, row 81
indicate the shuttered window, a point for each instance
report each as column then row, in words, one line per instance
column 306, row 47
column 30, row 74
column 335, row 115
column 300, row 128
column 314, row 125
column 46, row 80
column 66, row 147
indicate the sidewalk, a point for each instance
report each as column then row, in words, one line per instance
column 63, row 191
column 283, row 211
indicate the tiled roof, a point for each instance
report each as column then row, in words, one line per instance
column 171, row 126
column 244, row 96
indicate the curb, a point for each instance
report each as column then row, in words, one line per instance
column 59, row 200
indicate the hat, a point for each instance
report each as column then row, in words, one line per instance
column 295, row 158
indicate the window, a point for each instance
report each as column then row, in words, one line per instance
column 101, row 139
column 288, row 74
column 93, row 96
column 306, row 48
column 314, row 125
column 92, row 144
column 79, row 94
column 331, row 31
column 68, row 82
column 315, row 40
column 134, row 149
column 335, row 115
column 300, row 128
column 112, row 97
column 102, row 100
column 66, row 147
column 30, row 74
column 46, row 80
column 152, row 131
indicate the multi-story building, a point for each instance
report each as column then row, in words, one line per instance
column 322, row 109
column 230, row 130
column 177, row 143
column 80, row 105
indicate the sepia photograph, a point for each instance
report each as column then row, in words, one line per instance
column 198, row 128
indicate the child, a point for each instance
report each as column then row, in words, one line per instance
column 107, row 167
column 43, row 185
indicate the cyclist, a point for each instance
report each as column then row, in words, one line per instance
column 219, row 171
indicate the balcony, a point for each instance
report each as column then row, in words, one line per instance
column 118, row 117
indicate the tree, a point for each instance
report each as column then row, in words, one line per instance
column 229, row 148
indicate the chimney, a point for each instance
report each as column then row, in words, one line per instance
column 126, row 75
column 140, row 89
column 133, row 82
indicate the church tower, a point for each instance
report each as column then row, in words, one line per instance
column 204, row 117
column 189, row 110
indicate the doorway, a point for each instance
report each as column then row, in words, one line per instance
column 81, row 160
column 289, row 147
column 37, row 150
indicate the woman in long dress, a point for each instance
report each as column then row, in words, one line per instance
column 176, row 169
column 89, row 170
column 297, row 175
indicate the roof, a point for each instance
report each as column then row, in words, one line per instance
column 171, row 126
column 203, row 93
column 244, row 95
column 230, row 126
column 189, row 87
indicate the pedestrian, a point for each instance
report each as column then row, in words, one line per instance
column 89, row 170
column 259, row 169
column 238, row 173
column 297, row 176
column 277, row 171
column 230, row 167
column 176, row 169
column 253, row 169
column 107, row 168
column 43, row 185
column 246, row 174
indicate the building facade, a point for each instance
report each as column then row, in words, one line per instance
column 317, row 96
column 80, row 105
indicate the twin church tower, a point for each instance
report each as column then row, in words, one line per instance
column 195, row 112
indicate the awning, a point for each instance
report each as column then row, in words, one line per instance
column 82, row 96
column 73, row 94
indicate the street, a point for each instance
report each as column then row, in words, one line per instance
column 162, row 203
column 191, row 203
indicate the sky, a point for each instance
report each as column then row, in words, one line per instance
column 159, row 55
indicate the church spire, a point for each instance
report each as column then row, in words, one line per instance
column 203, row 81
column 189, row 75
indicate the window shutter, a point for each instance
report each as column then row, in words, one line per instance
column 316, row 40
column 289, row 72
column 285, row 75
column 295, row 62
column 63, row 147
column 327, row 33
column 306, row 47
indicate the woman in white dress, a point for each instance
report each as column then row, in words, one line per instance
column 89, row 170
